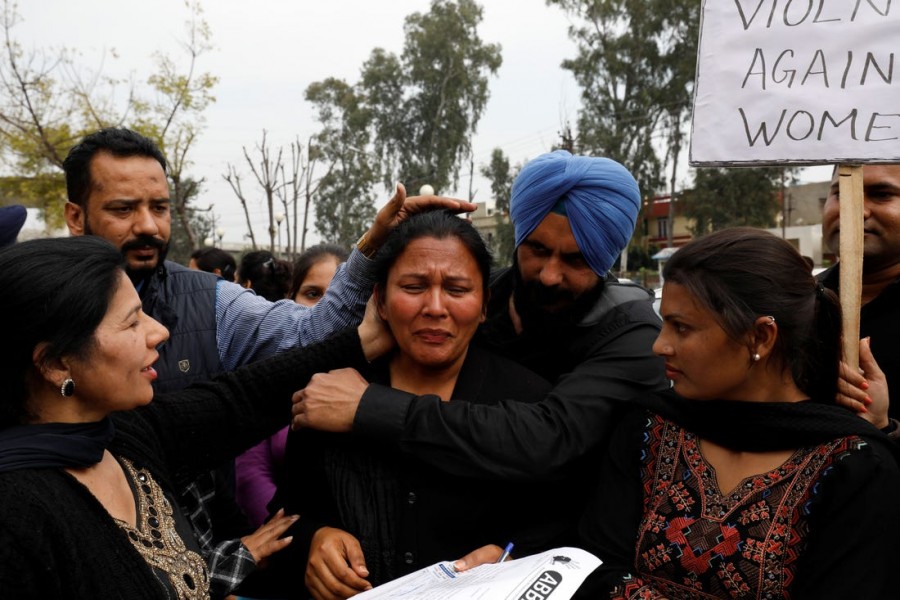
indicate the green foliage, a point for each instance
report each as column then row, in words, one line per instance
column 46, row 192
column 733, row 197
column 37, row 121
column 639, row 257
column 49, row 101
column 345, row 201
column 635, row 66
column 427, row 103
column 409, row 118
column 173, row 117
column 181, row 244
column 501, row 177
column 338, row 220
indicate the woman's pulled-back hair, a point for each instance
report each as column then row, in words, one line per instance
column 439, row 224
column 52, row 290
column 269, row 277
column 209, row 259
column 310, row 257
column 741, row 274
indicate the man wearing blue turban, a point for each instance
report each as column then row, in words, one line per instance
column 598, row 198
column 572, row 215
column 559, row 312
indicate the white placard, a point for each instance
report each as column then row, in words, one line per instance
column 797, row 82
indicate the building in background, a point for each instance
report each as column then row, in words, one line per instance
column 656, row 223
column 800, row 221
column 484, row 219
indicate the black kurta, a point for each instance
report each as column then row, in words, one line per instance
column 406, row 514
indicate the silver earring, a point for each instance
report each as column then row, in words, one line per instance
column 755, row 357
column 771, row 319
column 67, row 388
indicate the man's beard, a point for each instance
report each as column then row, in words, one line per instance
column 531, row 299
column 139, row 243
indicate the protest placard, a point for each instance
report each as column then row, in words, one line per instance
column 797, row 82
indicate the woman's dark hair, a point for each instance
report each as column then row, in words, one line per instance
column 210, row 259
column 310, row 257
column 741, row 274
column 438, row 224
column 269, row 277
column 56, row 291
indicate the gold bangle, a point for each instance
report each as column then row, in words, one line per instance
column 365, row 247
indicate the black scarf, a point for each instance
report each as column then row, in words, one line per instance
column 50, row 445
column 761, row 426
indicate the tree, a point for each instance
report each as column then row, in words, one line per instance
column 409, row 118
column 203, row 225
column 427, row 103
column 267, row 173
column 303, row 184
column 38, row 117
column 48, row 102
column 635, row 66
column 501, row 177
column 173, row 117
column 345, row 202
column 282, row 191
column 733, row 197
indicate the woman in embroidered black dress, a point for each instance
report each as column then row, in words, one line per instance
column 88, row 463
column 746, row 481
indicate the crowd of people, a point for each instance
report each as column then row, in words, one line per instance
column 303, row 431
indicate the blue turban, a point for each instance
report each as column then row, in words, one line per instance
column 598, row 195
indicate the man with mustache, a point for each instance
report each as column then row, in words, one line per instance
column 880, row 313
column 558, row 311
column 117, row 189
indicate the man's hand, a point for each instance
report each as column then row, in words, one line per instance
column 329, row 401
column 267, row 540
column 400, row 207
column 865, row 391
column 484, row 555
column 336, row 565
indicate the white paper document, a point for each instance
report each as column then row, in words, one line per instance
column 552, row 575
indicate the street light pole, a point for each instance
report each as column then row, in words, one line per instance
column 220, row 233
column 278, row 219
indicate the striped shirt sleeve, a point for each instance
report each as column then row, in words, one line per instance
column 249, row 327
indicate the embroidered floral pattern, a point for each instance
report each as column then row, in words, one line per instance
column 696, row 542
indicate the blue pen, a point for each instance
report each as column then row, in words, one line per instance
column 506, row 552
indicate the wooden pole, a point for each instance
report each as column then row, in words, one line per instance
column 850, row 180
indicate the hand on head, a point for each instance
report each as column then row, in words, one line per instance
column 400, row 207
column 336, row 565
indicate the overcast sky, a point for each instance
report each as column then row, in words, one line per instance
column 268, row 51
